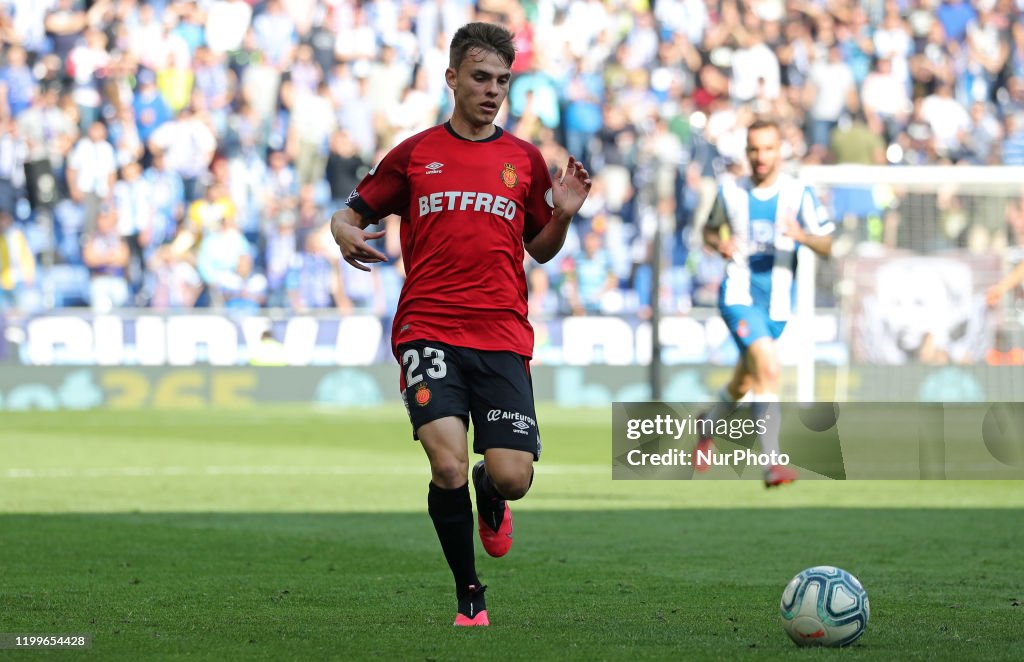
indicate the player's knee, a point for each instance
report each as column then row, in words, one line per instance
column 765, row 369
column 512, row 490
column 768, row 373
column 449, row 472
column 512, row 484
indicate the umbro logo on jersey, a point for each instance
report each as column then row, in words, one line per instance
column 434, row 168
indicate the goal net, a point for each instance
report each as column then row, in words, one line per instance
column 916, row 252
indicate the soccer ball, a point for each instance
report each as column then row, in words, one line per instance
column 824, row 606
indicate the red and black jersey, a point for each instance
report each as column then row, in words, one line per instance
column 466, row 207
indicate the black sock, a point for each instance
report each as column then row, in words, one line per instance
column 489, row 502
column 452, row 513
column 472, row 602
column 485, row 488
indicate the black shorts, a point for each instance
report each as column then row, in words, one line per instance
column 493, row 389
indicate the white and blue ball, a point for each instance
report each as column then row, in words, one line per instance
column 824, row 606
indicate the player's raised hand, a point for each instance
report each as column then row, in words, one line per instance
column 792, row 229
column 352, row 242
column 570, row 187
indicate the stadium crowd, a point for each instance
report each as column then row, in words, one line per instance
column 180, row 153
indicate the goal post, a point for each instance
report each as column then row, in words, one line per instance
column 806, row 367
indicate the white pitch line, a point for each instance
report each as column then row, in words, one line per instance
column 151, row 472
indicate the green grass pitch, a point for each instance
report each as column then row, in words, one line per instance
column 302, row 534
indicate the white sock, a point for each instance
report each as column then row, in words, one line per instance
column 767, row 408
column 724, row 407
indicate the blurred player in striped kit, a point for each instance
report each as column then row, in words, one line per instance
column 757, row 223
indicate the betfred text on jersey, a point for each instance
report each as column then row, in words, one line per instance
column 467, row 201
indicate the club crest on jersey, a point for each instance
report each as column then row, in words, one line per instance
column 422, row 395
column 509, row 176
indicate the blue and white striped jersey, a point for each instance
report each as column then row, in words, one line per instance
column 761, row 270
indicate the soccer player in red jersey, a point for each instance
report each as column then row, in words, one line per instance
column 473, row 200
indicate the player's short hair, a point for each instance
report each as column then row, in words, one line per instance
column 487, row 36
column 764, row 123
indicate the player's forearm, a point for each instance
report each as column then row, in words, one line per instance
column 550, row 240
column 348, row 216
column 820, row 245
